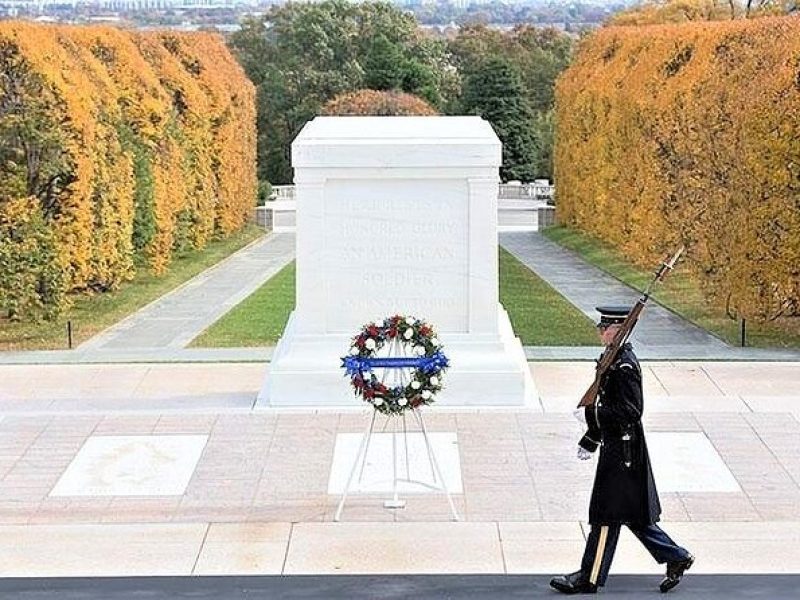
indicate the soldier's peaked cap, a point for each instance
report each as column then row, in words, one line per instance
column 612, row 315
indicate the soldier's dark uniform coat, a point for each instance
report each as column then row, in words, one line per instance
column 624, row 489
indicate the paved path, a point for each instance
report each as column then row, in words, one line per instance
column 172, row 321
column 385, row 587
column 586, row 286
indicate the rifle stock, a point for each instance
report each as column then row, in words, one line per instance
column 610, row 354
column 590, row 395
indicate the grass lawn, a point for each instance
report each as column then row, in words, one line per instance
column 539, row 314
column 680, row 292
column 92, row 314
column 258, row 320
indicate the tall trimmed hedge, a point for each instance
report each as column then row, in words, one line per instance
column 690, row 133
column 134, row 145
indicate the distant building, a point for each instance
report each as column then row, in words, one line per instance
column 46, row 6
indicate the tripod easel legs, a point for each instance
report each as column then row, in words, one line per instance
column 361, row 459
column 435, row 463
column 395, row 501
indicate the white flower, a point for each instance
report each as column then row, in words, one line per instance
column 370, row 344
column 426, row 395
column 366, row 375
column 410, row 320
column 354, row 351
column 435, row 341
column 419, row 350
column 434, row 380
column 377, row 401
column 409, row 333
column 402, row 402
column 415, row 385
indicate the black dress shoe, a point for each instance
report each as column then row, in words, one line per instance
column 574, row 583
column 675, row 571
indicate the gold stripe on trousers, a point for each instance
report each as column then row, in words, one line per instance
column 598, row 557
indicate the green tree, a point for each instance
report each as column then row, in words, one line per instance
column 544, row 133
column 542, row 55
column 475, row 43
column 420, row 79
column 301, row 55
column 494, row 90
column 383, row 65
column 539, row 55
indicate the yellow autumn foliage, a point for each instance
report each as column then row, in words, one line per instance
column 158, row 130
column 690, row 133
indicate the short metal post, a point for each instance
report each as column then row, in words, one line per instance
column 744, row 333
column 69, row 334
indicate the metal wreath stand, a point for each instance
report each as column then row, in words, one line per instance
column 396, row 363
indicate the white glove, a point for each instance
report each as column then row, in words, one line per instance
column 580, row 415
column 583, row 453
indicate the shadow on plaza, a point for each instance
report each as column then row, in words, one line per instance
column 419, row 587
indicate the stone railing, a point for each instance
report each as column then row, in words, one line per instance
column 282, row 192
column 539, row 189
column 520, row 207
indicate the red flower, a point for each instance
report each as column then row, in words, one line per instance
column 424, row 330
column 392, row 333
column 372, row 330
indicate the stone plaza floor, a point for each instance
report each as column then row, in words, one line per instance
column 157, row 469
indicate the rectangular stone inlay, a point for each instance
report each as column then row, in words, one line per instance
column 688, row 462
column 132, row 465
column 378, row 474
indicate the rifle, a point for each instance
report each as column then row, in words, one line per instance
column 624, row 332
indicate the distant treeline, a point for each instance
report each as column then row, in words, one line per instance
column 565, row 13
column 303, row 56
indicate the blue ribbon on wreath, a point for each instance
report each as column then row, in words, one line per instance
column 428, row 364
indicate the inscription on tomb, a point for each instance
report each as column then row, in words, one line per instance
column 396, row 247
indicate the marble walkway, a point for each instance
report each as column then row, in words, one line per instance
column 167, row 469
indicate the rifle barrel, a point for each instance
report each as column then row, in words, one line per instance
column 625, row 330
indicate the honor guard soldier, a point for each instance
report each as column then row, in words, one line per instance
column 624, row 491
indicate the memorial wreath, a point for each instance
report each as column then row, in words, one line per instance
column 425, row 360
